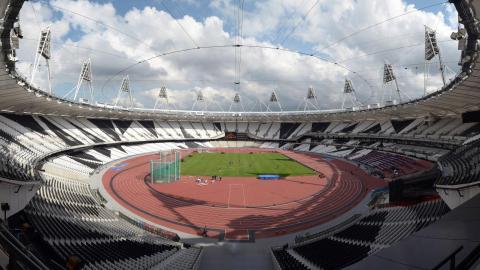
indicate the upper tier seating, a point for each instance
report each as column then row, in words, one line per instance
column 389, row 164
column 461, row 166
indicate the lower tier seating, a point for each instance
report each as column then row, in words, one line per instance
column 76, row 227
column 381, row 228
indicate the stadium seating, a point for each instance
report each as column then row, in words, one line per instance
column 379, row 229
column 461, row 166
column 388, row 164
column 286, row 261
column 55, row 145
column 71, row 220
column 74, row 223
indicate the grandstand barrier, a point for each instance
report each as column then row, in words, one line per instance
column 167, row 168
column 379, row 194
column 150, row 228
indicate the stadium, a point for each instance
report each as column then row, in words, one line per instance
column 157, row 136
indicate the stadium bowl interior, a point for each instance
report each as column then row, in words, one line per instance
column 86, row 185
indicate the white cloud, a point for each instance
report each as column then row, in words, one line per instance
column 143, row 33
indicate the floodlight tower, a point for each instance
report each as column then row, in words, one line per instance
column 274, row 100
column 388, row 78
column 15, row 35
column 43, row 51
column 461, row 36
column 237, row 102
column 310, row 101
column 85, row 79
column 431, row 50
column 349, row 93
column 125, row 90
column 162, row 101
column 201, row 101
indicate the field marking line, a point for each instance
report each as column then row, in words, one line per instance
column 230, row 192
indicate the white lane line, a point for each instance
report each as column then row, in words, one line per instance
column 244, row 197
column 229, row 192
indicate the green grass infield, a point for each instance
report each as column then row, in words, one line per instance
column 241, row 164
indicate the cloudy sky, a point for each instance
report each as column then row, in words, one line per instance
column 360, row 36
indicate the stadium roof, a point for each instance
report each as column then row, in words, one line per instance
column 458, row 96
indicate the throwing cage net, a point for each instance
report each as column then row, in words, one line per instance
column 167, row 168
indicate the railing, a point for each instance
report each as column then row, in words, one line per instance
column 196, row 266
column 302, row 239
column 450, row 258
column 471, row 259
column 150, row 228
column 16, row 249
column 276, row 264
column 451, row 142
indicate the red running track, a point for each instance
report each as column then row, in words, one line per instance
column 238, row 207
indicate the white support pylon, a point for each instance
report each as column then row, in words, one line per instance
column 125, row 88
column 311, row 99
column 162, row 98
column 349, row 92
column 85, row 77
column 201, row 101
column 274, row 99
column 431, row 50
column 388, row 77
column 237, row 101
column 43, row 52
